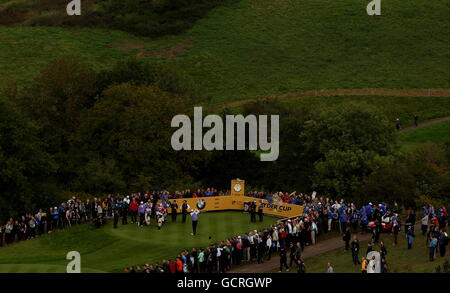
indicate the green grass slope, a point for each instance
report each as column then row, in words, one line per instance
column 392, row 106
column 111, row 250
column 262, row 47
column 254, row 48
column 25, row 50
column 439, row 133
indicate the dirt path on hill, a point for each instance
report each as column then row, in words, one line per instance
column 349, row 92
column 426, row 123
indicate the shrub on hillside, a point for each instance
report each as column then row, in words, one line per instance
column 156, row 17
column 10, row 16
column 139, row 72
column 149, row 18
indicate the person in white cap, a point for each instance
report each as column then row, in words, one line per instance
column 251, row 240
column 275, row 238
column 269, row 247
column 289, row 233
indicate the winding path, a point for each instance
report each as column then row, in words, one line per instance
column 426, row 123
column 347, row 92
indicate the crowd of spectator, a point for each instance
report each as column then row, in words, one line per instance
column 288, row 238
column 281, row 197
column 254, row 246
column 75, row 211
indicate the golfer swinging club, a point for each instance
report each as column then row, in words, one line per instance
column 194, row 216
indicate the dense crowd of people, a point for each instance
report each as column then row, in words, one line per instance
column 288, row 238
column 139, row 206
column 281, row 197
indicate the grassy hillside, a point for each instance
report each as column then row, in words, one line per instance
column 25, row 50
column 111, row 250
column 261, row 47
column 393, row 107
column 254, row 48
column 439, row 132
column 146, row 18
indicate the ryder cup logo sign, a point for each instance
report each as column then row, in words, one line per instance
column 201, row 203
column 213, row 139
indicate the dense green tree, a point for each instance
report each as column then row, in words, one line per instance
column 342, row 173
column 349, row 127
column 25, row 168
column 293, row 167
column 139, row 72
column 129, row 129
column 347, row 144
column 430, row 165
column 391, row 182
column 54, row 100
column 57, row 97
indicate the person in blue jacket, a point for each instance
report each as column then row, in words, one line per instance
column 382, row 208
column 364, row 222
column 369, row 211
column 424, row 211
column 410, row 237
column 329, row 216
column 341, row 210
column 432, row 247
column 343, row 219
column 55, row 218
column 355, row 219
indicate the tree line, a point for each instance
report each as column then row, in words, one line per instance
column 149, row 18
column 75, row 130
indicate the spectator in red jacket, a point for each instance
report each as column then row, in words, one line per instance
column 134, row 205
column 172, row 267
column 179, row 264
column 282, row 239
